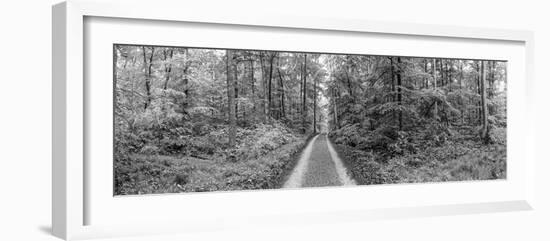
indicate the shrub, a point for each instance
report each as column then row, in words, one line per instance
column 181, row 178
column 147, row 173
column 498, row 135
column 173, row 146
column 348, row 135
column 150, row 149
column 430, row 153
column 263, row 139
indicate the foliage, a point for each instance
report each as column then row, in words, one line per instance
column 263, row 139
column 173, row 123
column 398, row 119
column 146, row 173
column 428, row 155
column 191, row 119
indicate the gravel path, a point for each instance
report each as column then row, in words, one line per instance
column 319, row 166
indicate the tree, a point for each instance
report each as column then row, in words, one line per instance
column 253, row 86
column 399, row 89
column 185, row 82
column 461, row 98
column 484, row 124
column 147, row 68
column 175, row 87
column 281, row 89
column 167, row 67
column 435, row 88
column 304, row 99
column 315, row 104
column 392, row 71
column 335, row 106
column 263, row 83
column 231, row 69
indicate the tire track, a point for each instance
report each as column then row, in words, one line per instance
column 319, row 166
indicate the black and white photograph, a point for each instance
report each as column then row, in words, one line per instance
column 192, row 119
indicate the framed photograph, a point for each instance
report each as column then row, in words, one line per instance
column 166, row 122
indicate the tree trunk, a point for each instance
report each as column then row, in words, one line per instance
column 485, row 125
column 491, row 88
column 492, row 80
column 300, row 106
column 185, row 81
column 426, row 71
column 167, row 68
column 435, row 87
column 270, row 109
column 479, row 103
column 231, row 97
column 264, row 88
column 399, row 95
column 213, row 102
column 392, row 71
column 449, row 70
column 350, row 89
column 236, row 84
column 282, row 90
column 315, row 105
column 253, row 88
column 442, row 72
column 147, row 71
column 393, row 97
column 335, row 105
column 304, row 99
column 461, row 101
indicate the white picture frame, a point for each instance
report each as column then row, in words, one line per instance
column 71, row 189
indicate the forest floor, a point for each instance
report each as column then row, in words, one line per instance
column 319, row 166
column 263, row 161
column 461, row 157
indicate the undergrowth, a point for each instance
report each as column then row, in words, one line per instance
column 261, row 158
column 433, row 154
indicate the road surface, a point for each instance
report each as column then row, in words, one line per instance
column 319, row 166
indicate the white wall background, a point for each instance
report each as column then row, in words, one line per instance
column 25, row 119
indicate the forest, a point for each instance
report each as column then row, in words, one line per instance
column 196, row 119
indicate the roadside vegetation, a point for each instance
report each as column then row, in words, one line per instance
column 454, row 156
column 260, row 161
column 405, row 120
